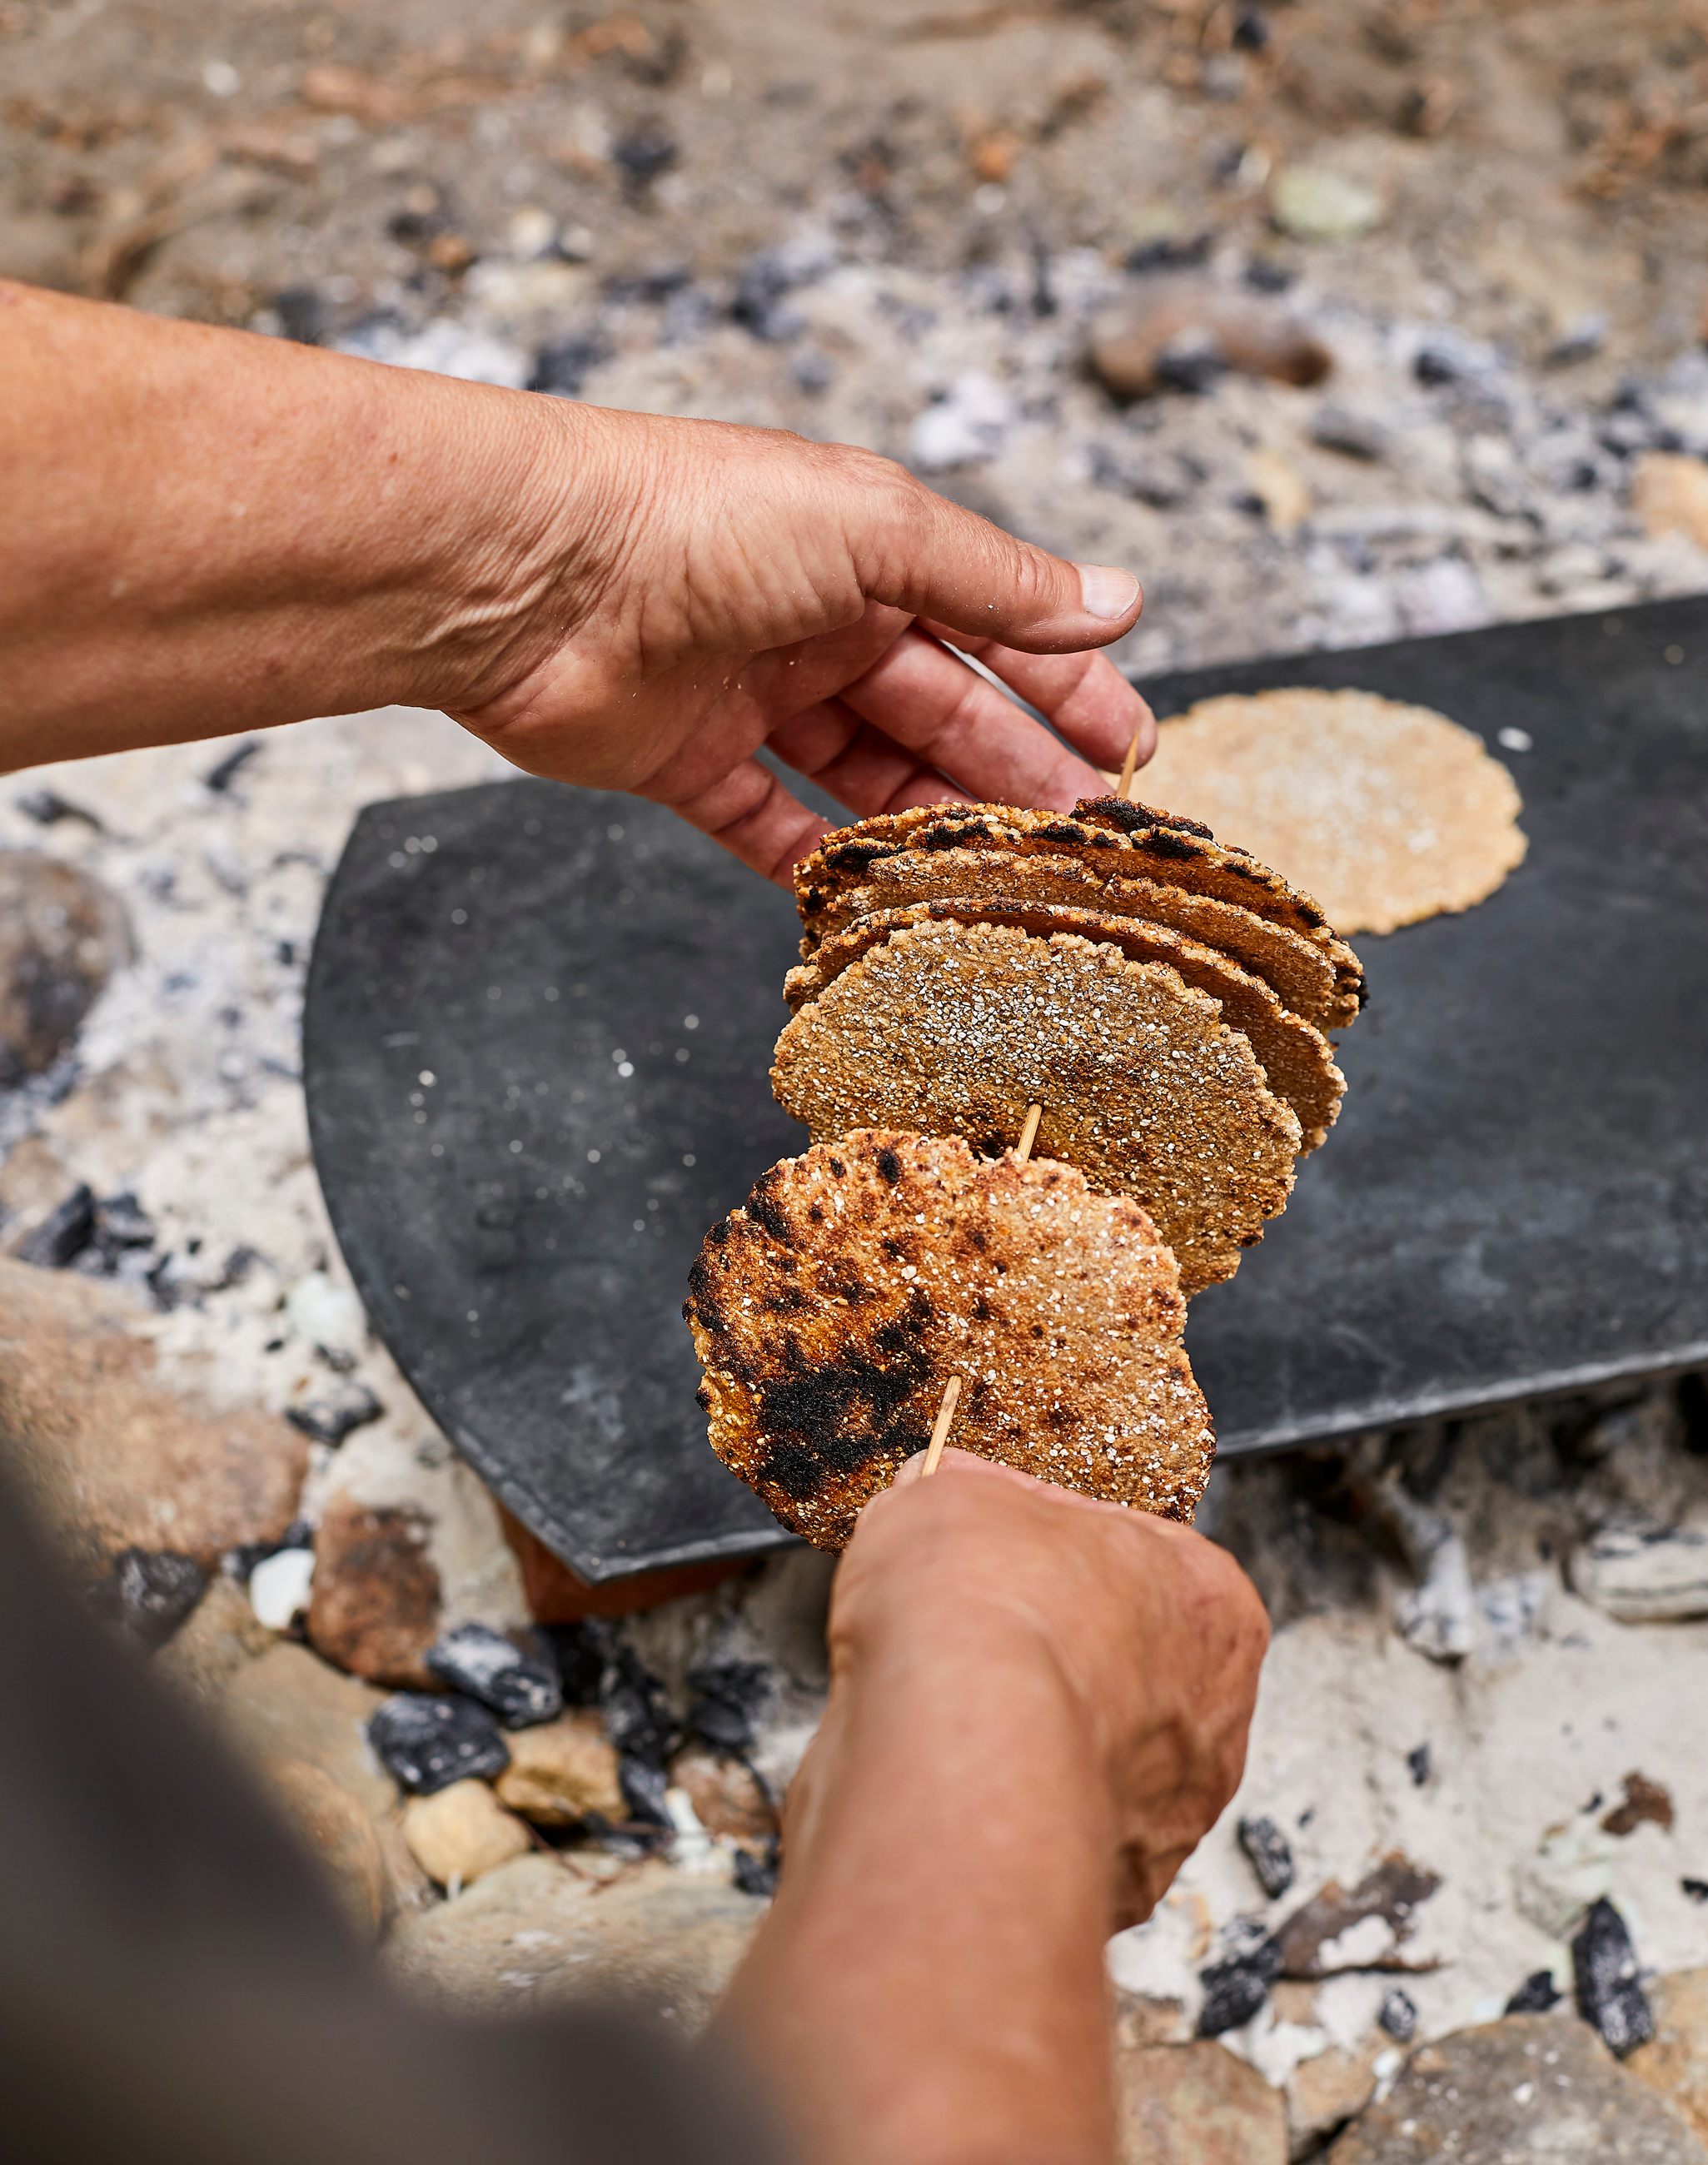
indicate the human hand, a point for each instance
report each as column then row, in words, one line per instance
column 692, row 591
column 1153, row 1636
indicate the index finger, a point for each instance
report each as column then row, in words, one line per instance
column 1083, row 696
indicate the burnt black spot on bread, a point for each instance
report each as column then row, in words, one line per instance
column 704, row 1297
column 719, row 1233
column 1172, row 849
column 890, row 1165
column 1133, row 817
column 854, row 856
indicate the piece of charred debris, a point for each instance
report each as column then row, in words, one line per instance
column 521, row 1688
column 149, row 1593
column 1611, row 1996
column 1398, row 2015
column 728, row 1697
column 756, row 1870
column 1269, row 1854
column 1417, row 1765
column 335, row 1411
column 64, row 1234
column 430, row 1741
column 1537, row 1995
column 1235, row 1987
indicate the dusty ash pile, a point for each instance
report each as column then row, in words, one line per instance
column 1163, row 998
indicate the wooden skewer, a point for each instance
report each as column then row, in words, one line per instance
column 939, row 1427
column 1123, row 788
column 952, row 1392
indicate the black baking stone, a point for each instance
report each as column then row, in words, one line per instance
column 1515, row 1201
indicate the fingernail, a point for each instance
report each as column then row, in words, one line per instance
column 1105, row 590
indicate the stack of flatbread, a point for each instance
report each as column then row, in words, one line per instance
column 1165, row 999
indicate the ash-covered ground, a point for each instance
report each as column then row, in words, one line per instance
column 1334, row 322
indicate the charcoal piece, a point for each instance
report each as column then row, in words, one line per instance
column 641, row 157
column 330, row 1416
column 1696, row 1889
column 302, row 315
column 1417, row 1761
column 637, row 1720
column 728, row 1697
column 240, row 1561
column 581, row 1652
column 1269, row 1854
column 1236, row 1988
column 1251, row 33
column 1537, row 1995
column 1398, row 2015
column 755, row 1873
column 643, row 1786
column 1308, row 1939
column 520, row 1688
column 429, row 1742
column 63, row 1234
column 223, row 772
column 1610, row 1997
column 149, row 1593
column 47, row 808
column 562, row 366
column 121, row 1222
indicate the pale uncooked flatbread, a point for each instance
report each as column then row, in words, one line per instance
column 831, row 1310
column 1386, row 813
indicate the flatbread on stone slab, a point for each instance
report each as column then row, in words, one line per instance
column 954, row 1029
column 831, row 1309
column 1297, row 1060
column 1119, row 839
column 1318, row 978
column 1387, row 813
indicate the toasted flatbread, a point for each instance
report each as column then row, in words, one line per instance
column 1319, row 977
column 831, row 1309
column 1298, row 1063
column 1387, row 813
column 954, row 1029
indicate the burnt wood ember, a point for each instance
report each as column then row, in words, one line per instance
column 1269, row 1853
column 1609, row 1990
column 1417, row 1763
column 332, row 1413
column 223, row 772
column 1398, row 2016
column 429, row 1742
column 64, row 1234
column 729, row 1698
column 520, row 1688
column 638, row 1720
column 150, row 1593
column 581, row 1652
column 755, row 1873
column 643, row 1786
column 1236, row 1988
column 1309, row 1940
column 1537, row 1995
column 121, row 1222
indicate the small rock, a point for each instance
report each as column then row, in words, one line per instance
column 280, row 1587
column 225, row 772
column 1328, row 1934
column 1354, row 434
column 430, row 1741
column 287, row 1703
column 1279, row 489
column 1235, row 1987
column 326, row 1314
column 47, row 808
column 1148, row 472
column 1537, row 1995
column 641, row 157
column 1529, row 2088
column 339, row 1835
column 521, row 1689
column 1313, row 203
column 755, row 1872
column 1573, row 1864
column 150, row 1593
column 1695, row 1889
column 638, row 1720
column 461, row 1832
column 334, row 1410
column 1669, row 495
column 121, row 1222
column 1438, row 1617
column 1675, row 2062
column 1644, row 1801
column 563, row 366
column 563, row 1772
column 531, row 1935
column 1417, row 1765
column 1323, row 2094
column 1644, row 1574
column 62, row 936
column 1269, row 1854
column 968, row 422
column 219, row 1637
column 1196, row 2104
column 112, row 1460
column 376, row 1604
column 727, row 1796
column 1398, row 2015
column 646, row 1792
column 1582, row 339
column 729, row 1698
column 64, row 1234
column 1181, row 334
column 1610, row 1991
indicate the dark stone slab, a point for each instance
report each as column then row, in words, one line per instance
column 1515, row 1201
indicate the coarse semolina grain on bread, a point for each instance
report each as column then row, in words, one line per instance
column 1389, row 813
column 830, row 1310
column 1108, row 833
column 1297, row 1060
column 954, row 1029
column 1319, row 977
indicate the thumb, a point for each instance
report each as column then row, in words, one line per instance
column 915, row 551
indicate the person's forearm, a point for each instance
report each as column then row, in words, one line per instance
column 207, row 530
column 929, row 1988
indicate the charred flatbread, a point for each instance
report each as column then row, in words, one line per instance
column 1319, row 977
column 831, row 1309
column 1298, row 1063
column 954, row 1029
column 1387, row 813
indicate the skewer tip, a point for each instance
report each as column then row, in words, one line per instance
column 939, row 1427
